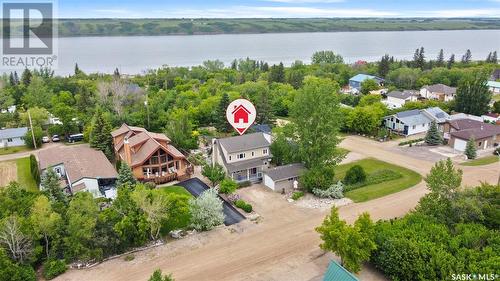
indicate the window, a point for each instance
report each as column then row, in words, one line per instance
column 229, row 157
column 264, row 151
column 253, row 153
column 9, row 140
column 414, row 127
column 423, row 125
column 240, row 156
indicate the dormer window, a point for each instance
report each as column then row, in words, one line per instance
column 264, row 151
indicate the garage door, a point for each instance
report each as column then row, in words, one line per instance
column 460, row 145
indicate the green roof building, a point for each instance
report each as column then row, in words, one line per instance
column 336, row 272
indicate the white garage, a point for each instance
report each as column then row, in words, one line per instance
column 460, row 145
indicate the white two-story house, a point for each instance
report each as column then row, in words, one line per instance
column 245, row 157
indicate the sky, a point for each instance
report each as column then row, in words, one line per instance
column 276, row 8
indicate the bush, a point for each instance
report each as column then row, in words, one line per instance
column 228, row 186
column 320, row 177
column 297, row 195
column 243, row 205
column 244, row 184
column 355, row 174
column 53, row 268
column 335, row 191
column 34, row 169
column 411, row 142
column 206, row 211
column 28, row 138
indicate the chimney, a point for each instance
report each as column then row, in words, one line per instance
column 126, row 149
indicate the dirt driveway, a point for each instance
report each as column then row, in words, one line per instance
column 8, row 172
column 283, row 245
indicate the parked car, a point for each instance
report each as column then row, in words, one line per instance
column 45, row 139
column 75, row 138
column 55, row 138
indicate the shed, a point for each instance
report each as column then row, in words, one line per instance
column 283, row 177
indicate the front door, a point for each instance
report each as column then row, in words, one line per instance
column 405, row 130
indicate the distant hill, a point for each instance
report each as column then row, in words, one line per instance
column 134, row 27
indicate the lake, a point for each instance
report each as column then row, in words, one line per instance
column 134, row 55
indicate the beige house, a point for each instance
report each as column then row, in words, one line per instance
column 458, row 132
column 245, row 157
column 439, row 92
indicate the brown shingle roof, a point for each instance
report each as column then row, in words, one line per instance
column 467, row 129
column 79, row 162
column 441, row 88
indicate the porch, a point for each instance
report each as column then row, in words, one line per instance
column 251, row 174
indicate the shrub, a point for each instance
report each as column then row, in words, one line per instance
column 233, row 198
column 243, row 205
column 470, row 149
column 355, row 174
column 297, row 195
column 34, row 169
column 197, row 159
column 244, row 184
column 129, row 258
column 28, row 138
column 335, row 191
column 206, row 211
column 53, row 268
column 411, row 142
column 228, row 186
column 318, row 177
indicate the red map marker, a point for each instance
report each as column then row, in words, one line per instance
column 241, row 114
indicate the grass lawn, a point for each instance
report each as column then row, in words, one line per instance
column 24, row 176
column 481, row 161
column 10, row 150
column 409, row 178
column 176, row 189
column 496, row 97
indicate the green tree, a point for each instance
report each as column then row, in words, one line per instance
column 220, row 120
column 28, row 137
column 11, row 271
column 228, row 186
column 180, row 130
column 473, row 96
column 82, row 216
column 433, row 136
column 369, row 85
column 158, row 276
column 326, row 57
column 215, row 173
column 39, row 116
column 100, row 133
column 51, row 187
column 26, row 77
column 440, row 59
column 37, row 93
column 45, row 221
column 354, row 244
column 384, row 65
column 277, row 73
column 467, row 57
column 355, row 174
column 125, row 176
column 496, row 107
column 451, row 61
column 155, row 205
column 470, row 149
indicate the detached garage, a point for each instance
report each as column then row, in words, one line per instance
column 460, row 144
column 282, row 178
column 485, row 135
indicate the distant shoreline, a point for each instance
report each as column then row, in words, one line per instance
column 100, row 27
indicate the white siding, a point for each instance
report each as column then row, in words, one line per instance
column 268, row 182
column 92, row 186
column 460, row 145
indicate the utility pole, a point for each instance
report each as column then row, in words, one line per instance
column 32, row 132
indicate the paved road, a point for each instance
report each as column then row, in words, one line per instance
column 196, row 187
column 284, row 245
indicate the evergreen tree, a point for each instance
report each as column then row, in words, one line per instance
column 277, row 73
column 433, row 137
column 265, row 67
column 440, row 58
column 466, row 58
column 26, row 77
column 494, row 58
column 52, row 188
column 12, row 81
column 16, row 78
column 234, row 64
column 419, row 58
column 488, row 58
column 451, row 61
column 116, row 73
column 473, row 96
column 470, row 149
column 100, row 133
column 220, row 120
column 77, row 69
column 384, row 66
column 265, row 114
column 125, row 176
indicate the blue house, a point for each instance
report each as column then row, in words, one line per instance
column 12, row 137
column 355, row 81
column 336, row 272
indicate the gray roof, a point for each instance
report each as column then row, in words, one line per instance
column 244, row 142
column 417, row 117
column 13, row 133
column 441, row 88
column 285, row 172
column 402, row 95
column 246, row 164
